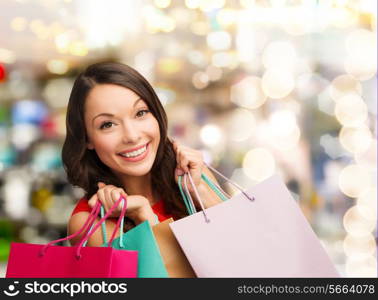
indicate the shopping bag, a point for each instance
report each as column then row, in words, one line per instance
column 258, row 233
column 49, row 261
column 142, row 240
column 176, row 263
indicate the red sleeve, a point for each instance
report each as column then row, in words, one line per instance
column 158, row 208
column 82, row 205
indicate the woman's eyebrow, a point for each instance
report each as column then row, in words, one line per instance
column 111, row 115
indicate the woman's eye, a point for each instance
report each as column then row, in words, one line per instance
column 141, row 113
column 106, row 125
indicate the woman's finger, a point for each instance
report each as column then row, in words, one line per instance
column 92, row 201
column 102, row 198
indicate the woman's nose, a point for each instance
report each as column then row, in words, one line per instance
column 130, row 133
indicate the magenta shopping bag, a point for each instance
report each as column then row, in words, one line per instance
column 258, row 233
column 49, row 261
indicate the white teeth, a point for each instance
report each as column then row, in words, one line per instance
column 135, row 153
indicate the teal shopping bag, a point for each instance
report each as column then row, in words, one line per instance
column 141, row 239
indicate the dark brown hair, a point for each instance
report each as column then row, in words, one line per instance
column 83, row 166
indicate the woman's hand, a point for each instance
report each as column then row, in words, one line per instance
column 188, row 160
column 138, row 207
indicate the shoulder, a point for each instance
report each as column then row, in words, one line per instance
column 78, row 220
column 81, row 206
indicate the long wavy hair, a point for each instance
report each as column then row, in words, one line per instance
column 84, row 168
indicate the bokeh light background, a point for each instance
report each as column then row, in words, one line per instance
column 261, row 87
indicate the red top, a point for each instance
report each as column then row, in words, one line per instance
column 158, row 208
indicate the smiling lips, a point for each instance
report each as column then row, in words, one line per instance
column 135, row 155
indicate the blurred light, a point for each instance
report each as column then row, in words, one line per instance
column 56, row 28
column 200, row 28
column 356, row 224
column 368, row 159
column 247, row 3
column 361, row 67
column 248, row 93
column 7, row 156
column 3, row 74
column 60, row 123
column 45, row 157
column 361, row 46
column 7, row 56
column 311, row 85
column 241, row 125
column 62, row 42
column 247, row 42
column 192, row 3
column 343, row 85
column 36, row 25
column 209, row 5
column 296, row 21
column 214, row 73
column 166, row 96
column 103, row 23
column 351, row 110
column 331, row 146
column 23, row 135
column 29, row 234
column 16, row 189
column 219, row 40
column 368, row 6
column 57, row 92
column 57, row 66
column 355, row 139
column 367, row 204
column 28, row 111
column 279, row 54
column 169, row 65
column 200, row 80
column 211, row 135
column 227, row 17
column 344, row 17
column 365, row 267
column 283, row 129
column 18, row 24
column 78, row 48
column 354, row 180
column 359, row 246
column 223, row 59
column 196, row 58
column 162, row 3
column 277, row 83
column 168, row 25
column 258, row 164
column 157, row 21
column 360, row 42
column 325, row 103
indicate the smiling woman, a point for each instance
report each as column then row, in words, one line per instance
column 117, row 144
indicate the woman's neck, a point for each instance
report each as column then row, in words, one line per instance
column 140, row 185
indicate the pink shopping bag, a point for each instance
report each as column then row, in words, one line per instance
column 49, row 261
column 258, row 233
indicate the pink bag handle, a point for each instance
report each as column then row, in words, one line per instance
column 109, row 212
column 230, row 181
column 91, row 218
column 88, row 223
column 198, row 196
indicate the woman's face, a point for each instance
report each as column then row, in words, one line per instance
column 121, row 129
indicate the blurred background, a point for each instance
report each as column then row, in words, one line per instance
column 260, row 86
